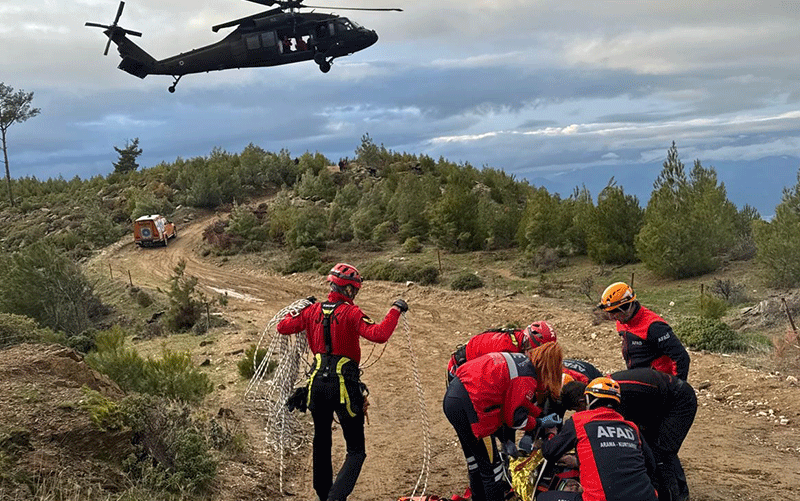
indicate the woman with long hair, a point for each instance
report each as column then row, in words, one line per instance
column 494, row 391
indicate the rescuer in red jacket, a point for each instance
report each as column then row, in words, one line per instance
column 615, row 463
column 647, row 340
column 333, row 329
column 496, row 340
column 495, row 390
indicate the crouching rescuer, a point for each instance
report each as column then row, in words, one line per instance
column 333, row 329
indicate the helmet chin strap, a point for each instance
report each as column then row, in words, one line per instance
column 348, row 290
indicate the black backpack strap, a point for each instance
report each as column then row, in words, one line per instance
column 327, row 313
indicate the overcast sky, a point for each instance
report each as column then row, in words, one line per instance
column 560, row 93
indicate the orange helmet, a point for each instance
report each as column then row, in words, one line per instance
column 616, row 295
column 539, row 333
column 344, row 274
column 603, row 387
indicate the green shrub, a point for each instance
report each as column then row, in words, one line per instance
column 172, row 376
column 185, row 307
column 712, row 307
column 466, row 281
column 106, row 414
column 15, row 329
column 709, row 334
column 247, row 366
column 427, row 275
column 302, row 259
column 143, row 299
column 384, row 270
column 412, row 245
column 173, row 453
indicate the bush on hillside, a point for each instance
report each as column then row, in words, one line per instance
column 710, row 334
column 252, row 360
column 466, row 281
column 41, row 283
column 302, row 259
column 16, row 329
column 412, row 245
column 173, row 376
column 185, row 304
column 172, row 454
column 392, row 271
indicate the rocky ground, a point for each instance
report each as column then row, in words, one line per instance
column 743, row 445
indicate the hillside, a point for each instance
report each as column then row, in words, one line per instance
column 744, row 443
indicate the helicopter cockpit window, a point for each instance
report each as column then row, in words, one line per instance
column 343, row 25
column 252, row 42
column 268, row 39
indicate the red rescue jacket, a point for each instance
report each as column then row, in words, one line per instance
column 502, row 389
column 348, row 323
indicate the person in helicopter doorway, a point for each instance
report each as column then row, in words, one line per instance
column 616, row 464
column 495, row 390
column 333, row 329
column 647, row 340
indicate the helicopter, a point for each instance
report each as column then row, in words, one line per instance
column 282, row 35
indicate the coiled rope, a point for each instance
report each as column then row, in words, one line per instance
column 423, row 412
column 283, row 429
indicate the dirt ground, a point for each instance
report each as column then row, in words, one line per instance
column 743, row 445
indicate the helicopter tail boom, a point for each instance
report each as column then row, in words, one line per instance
column 135, row 60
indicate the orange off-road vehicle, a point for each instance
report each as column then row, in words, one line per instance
column 153, row 230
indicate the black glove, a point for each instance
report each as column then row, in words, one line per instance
column 526, row 444
column 510, row 449
column 298, row 399
column 401, row 305
column 311, row 299
column 549, row 421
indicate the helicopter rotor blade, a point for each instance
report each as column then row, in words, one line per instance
column 119, row 13
column 268, row 3
column 97, row 25
column 350, row 8
column 108, row 44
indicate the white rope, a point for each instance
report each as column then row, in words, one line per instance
column 283, row 429
column 423, row 411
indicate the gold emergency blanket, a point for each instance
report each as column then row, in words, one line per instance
column 522, row 480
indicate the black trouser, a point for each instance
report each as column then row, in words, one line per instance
column 485, row 474
column 325, row 400
column 668, row 439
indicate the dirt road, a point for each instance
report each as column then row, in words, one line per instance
column 744, row 443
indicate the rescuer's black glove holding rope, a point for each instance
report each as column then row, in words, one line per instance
column 401, row 305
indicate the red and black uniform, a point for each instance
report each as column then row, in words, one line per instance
column 580, row 370
column 508, row 340
column 335, row 386
column 615, row 463
column 648, row 341
column 491, row 391
column 664, row 407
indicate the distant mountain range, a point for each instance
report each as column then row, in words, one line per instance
column 759, row 184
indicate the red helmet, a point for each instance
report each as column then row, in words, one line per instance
column 344, row 274
column 539, row 333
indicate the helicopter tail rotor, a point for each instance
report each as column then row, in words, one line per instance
column 113, row 29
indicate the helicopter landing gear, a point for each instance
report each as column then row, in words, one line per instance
column 171, row 88
column 323, row 62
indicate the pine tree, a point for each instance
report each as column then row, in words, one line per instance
column 15, row 107
column 127, row 157
column 777, row 241
column 613, row 226
column 689, row 222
